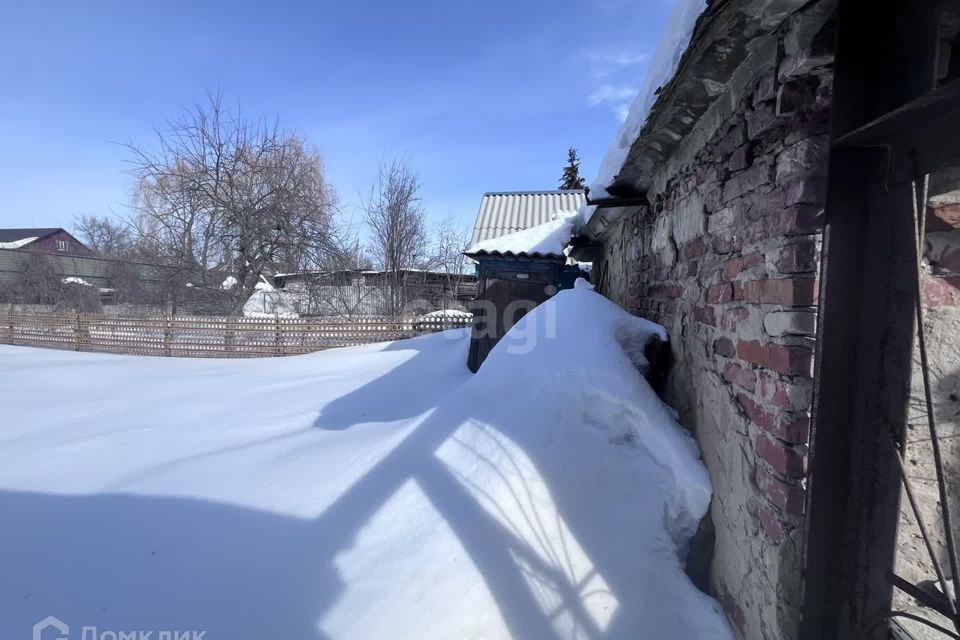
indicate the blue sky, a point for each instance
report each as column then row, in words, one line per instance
column 480, row 96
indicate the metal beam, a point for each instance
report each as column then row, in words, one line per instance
column 585, row 249
column 919, row 136
column 928, row 111
column 885, row 57
column 931, row 599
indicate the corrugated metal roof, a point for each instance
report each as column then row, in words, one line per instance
column 506, row 212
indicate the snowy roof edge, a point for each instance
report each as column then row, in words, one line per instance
column 484, row 253
column 535, row 192
column 548, row 239
column 672, row 48
column 505, row 212
column 654, row 129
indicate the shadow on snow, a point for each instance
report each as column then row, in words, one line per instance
column 148, row 541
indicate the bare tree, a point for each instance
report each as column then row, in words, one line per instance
column 108, row 238
column 337, row 293
column 138, row 284
column 225, row 196
column 78, row 296
column 449, row 242
column 38, row 281
column 397, row 223
column 135, row 272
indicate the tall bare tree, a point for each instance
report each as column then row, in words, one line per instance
column 396, row 220
column 221, row 195
column 108, row 238
column 450, row 240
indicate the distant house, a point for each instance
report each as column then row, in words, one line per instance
column 364, row 292
column 46, row 240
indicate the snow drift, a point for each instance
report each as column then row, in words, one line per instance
column 370, row 492
column 267, row 302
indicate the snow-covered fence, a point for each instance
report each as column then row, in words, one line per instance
column 224, row 337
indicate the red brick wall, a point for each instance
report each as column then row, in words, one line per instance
column 726, row 257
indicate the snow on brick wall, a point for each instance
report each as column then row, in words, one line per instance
column 726, row 258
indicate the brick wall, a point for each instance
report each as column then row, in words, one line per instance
column 726, row 257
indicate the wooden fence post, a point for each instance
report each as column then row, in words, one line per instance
column 278, row 339
column 166, row 336
column 228, row 339
column 82, row 333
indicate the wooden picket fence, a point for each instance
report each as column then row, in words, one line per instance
column 205, row 337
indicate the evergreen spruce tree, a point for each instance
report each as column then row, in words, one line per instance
column 571, row 173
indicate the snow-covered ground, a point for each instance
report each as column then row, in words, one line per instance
column 371, row 492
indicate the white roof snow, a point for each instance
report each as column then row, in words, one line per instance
column 506, row 212
column 666, row 58
column 16, row 244
column 547, row 239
